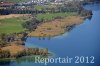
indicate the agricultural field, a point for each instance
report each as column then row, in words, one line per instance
column 12, row 25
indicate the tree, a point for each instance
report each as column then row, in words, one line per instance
column 31, row 25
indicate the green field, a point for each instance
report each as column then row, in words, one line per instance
column 11, row 25
column 50, row 16
column 38, row 7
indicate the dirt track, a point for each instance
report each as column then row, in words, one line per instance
column 12, row 15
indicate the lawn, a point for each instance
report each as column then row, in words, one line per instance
column 50, row 16
column 11, row 25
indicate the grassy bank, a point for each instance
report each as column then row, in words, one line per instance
column 51, row 16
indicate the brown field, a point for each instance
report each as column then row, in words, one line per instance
column 12, row 16
column 55, row 27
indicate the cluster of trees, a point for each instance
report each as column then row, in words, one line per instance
column 31, row 25
column 77, row 7
column 25, row 52
column 3, row 43
column 37, row 51
column 5, row 39
column 69, row 28
column 66, row 7
column 5, row 11
column 4, row 54
column 69, row 7
column 32, row 51
column 84, row 12
column 15, row 11
column 20, row 10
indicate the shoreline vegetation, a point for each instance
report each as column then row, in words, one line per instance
column 49, row 23
column 56, row 27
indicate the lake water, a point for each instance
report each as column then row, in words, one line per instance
column 83, row 40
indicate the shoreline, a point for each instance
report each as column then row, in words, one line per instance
column 48, row 29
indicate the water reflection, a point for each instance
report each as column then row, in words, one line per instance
column 5, row 62
column 28, row 59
